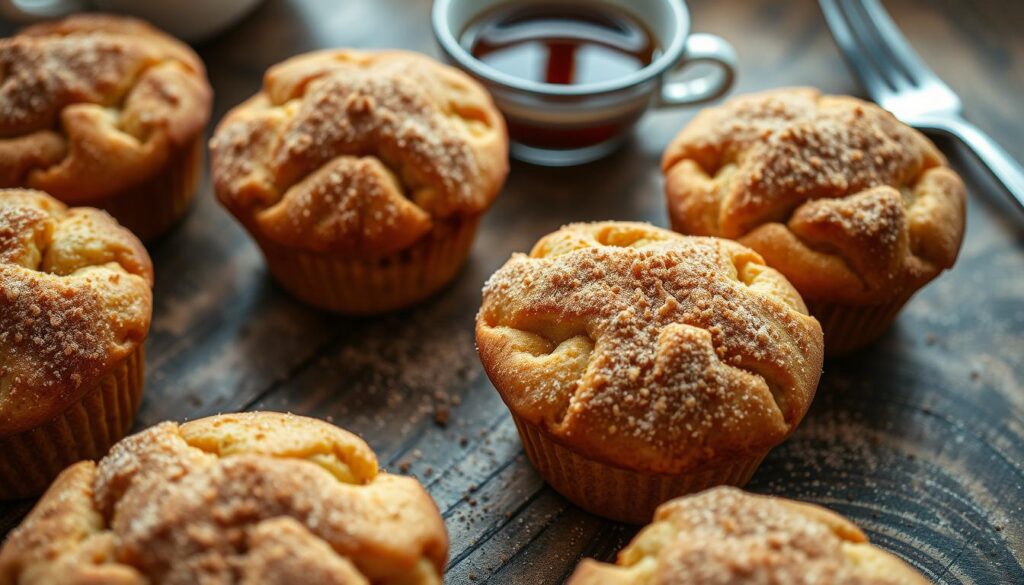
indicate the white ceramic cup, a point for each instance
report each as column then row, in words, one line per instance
column 600, row 114
column 189, row 20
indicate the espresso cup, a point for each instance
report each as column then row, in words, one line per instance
column 560, row 125
column 189, row 20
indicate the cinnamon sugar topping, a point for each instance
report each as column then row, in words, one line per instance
column 42, row 75
column 676, row 350
column 383, row 110
column 746, row 169
column 93, row 104
column 54, row 323
column 398, row 124
column 67, row 312
column 724, row 535
column 253, row 497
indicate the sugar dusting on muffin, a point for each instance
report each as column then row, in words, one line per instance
column 393, row 124
column 384, row 109
column 731, row 534
column 724, row 535
column 253, row 497
column 44, row 74
column 689, row 351
column 74, row 299
column 791, row 146
column 21, row 228
column 752, row 169
column 92, row 105
column 58, row 324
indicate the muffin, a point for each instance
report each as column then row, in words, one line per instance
column 725, row 535
column 639, row 364
column 856, row 209
column 258, row 497
column 75, row 307
column 362, row 175
column 107, row 112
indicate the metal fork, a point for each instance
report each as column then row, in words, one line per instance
column 899, row 81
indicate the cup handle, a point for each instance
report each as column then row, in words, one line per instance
column 701, row 48
column 22, row 11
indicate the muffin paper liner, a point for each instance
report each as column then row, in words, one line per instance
column 360, row 287
column 617, row 493
column 851, row 327
column 155, row 206
column 31, row 459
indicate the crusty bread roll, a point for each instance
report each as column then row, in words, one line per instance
column 856, row 209
column 362, row 175
column 104, row 111
column 726, row 536
column 242, row 498
column 640, row 364
column 75, row 308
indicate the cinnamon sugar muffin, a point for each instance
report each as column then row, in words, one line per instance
column 726, row 536
column 104, row 111
column 258, row 497
column 856, row 209
column 362, row 175
column 75, row 307
column 640, row 364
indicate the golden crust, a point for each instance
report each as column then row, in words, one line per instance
column 358, row 153
column 249, row 498
column 648, row 350
column 94, row 104
column 725, row 535
column 75, row 300
column 846, row 201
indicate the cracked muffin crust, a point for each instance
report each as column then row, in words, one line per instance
column 104, row 111
column 854, row 207
column 75, row 308
column 646, row 362
column 349, row 163
column 258, row 497
column 727, row 536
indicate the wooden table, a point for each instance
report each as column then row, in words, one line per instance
column 919, row 439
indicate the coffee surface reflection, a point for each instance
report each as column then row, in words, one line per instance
column 561, row 43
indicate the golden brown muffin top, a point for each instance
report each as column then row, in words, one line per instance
column 725, row 536
column 94, row 104
column 359, row 153
column 849, row 203
column 75, row 300
column 257, row 497
column 649, row 350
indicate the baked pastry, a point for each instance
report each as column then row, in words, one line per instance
column 856, row 209
column 75, row 307
column 259, row 497
column 104, row 111
column 640, row 364
column 362, row 175
column 727, row 536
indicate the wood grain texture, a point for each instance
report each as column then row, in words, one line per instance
column 919, row 439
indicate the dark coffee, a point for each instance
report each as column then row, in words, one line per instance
column 568, row 44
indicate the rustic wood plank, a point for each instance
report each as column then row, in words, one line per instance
column 920, row 439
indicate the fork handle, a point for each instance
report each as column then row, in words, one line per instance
column 999, row 162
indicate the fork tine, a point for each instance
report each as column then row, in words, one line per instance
column 868, row 72
column 901, row 50
column 874, row 45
